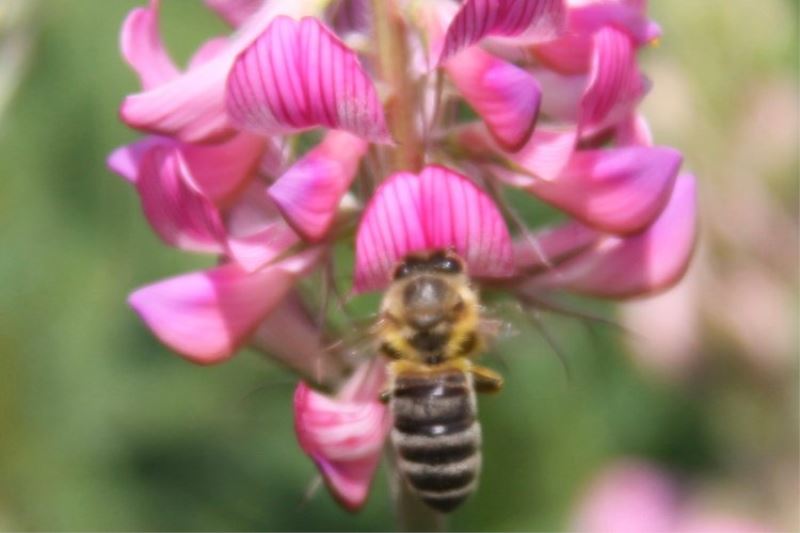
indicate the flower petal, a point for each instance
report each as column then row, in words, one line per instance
column 648, row 262
column 344, row 436
column 205, row 316
column 618, row 190
column 614, row 85
column 626, row 15
column 505, row 96
column 235, row 12
column 299, row 75
column 552, row 246
column 125, row 159
column 191, row 107
column 219, row 171
column 179, row 215
column 531, row 20
column 439, row 209
column 257, row 232
column 309, row 193
column 140, row 42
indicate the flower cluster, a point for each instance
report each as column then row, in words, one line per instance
column 408, row 121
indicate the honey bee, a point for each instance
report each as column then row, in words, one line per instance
column 430, row 327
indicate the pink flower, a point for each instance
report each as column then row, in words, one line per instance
column 297, row 138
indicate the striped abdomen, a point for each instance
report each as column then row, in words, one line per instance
column 437, row 436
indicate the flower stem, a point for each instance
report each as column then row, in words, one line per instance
column 401, row 107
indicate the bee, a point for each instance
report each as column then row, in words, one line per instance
column 430, row 327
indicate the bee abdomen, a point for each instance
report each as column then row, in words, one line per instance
column 437, row 437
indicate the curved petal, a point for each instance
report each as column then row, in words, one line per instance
column 505, row 96
column 191, row 107
column 344, row 436
column 614, row 85
column 625, row 15
column 299, row 75
column 308, row 194
column 208, row 51
column 530, row 20
column 125, row 159
column 234, row 12
column 140, row 42
column 648, row 262
column 257, row 233
column 205, row 316
column 439, row 209
column 179, row 215
column 220, row 171
column 618, row 190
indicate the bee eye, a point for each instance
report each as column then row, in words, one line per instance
column 449, row 265
column 402, row 271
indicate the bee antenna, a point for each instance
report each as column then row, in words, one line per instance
column 588, row 318
column 311, row 490
column 535, row 319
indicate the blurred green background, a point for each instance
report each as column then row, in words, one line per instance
column 101, row 428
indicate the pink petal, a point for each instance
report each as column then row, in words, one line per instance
column 615, row 84
column 192, row 106
column 309, row 193
column 569, row 54
column 208, row 51
column 235, row 12
column 619, row 190
column 640, row 264
column 625, row 15
column 505, row 96
column 205, row 316
column 125, row 159
column 348, row 16
column 299, row 75
column 552, row 246
column 344, row 436
column 530, row 19
column 633, row 131
column 220, row 171
column 257, row 232
column 439, row 209
column 179, row 215
column 142, row 48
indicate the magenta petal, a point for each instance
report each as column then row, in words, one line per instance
column 178, row 214
column 640, row 264
column 344, row 436
column 299, row 75
column 615, row 84
column 235, row 12
column 309, row 192
column 208, row 50
column 125, row 159
column 219, row 171
column 205, row 316
column 619, row 190
column 439, row 209
column 625, row 15
column 140, row 42
column 257, row 232
column 532, row 19
column 505, row 96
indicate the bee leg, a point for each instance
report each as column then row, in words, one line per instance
column 486, row 379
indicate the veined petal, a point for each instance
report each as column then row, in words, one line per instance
column 439, row 209
column 235, row 12
column 640, row 264
column 191, row 107
column 140, row 42
column 344, row 435
column 299, row 75
column 257, row 232
column 505, row 96
column 179, row 215
column 308, row 194
column 618, row 190
column 221, row 170
column 614, row 85
column 125, row 159
column 530, row 19
column 205, row 316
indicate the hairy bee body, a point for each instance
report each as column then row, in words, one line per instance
column 429, row 327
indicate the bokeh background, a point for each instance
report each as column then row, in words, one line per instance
column 101, row 428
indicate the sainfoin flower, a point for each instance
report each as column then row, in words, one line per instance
column 297, row 136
